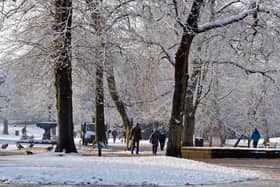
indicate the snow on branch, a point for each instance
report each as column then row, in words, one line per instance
column 227, row 5
column 226, row 21
column 166, row 93
column 246, row 70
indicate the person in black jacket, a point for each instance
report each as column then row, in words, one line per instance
column 154, row 139
column 162, row 138
column 135, row 136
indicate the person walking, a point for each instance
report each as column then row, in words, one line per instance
column 154, row 139
column 123, row 136
column 114, row 134
column 135, row 137
column 255, row 137
column 162, row 138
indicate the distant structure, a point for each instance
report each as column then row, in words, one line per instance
column 49, row 128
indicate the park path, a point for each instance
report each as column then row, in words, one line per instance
column 269, row 167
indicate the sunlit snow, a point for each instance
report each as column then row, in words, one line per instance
column 60, row 168
column 75, row 169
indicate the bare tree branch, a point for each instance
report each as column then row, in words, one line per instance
column 246, row 70
column 227, row 21
column 226, row 6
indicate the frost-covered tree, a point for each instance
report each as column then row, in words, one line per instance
column 62, row 56
column 191, row 27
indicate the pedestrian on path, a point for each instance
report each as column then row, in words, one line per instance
column 162, row 138
column 255, row 137
column 154, row 140
column 114, row 134
column 135, row 137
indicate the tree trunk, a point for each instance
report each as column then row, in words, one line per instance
column 127, row 120
column 63, row 84
column 189, row 118
column 189, row 125
column 99, row 103
column 95, row 11
column 6, row 127
column 95, row 8
column 181, row 79
column 63, row 75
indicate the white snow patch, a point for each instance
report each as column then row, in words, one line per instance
column 76, row 169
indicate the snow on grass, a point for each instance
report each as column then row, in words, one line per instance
column 137, row 170
column 76, row 169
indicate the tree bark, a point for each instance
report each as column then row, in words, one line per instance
column 63, row 75
column 95, row 8
column 127, row 120
column 181, row 80
column 6, row 127
column 189, row 121
column 192, row 100
column 99, row 104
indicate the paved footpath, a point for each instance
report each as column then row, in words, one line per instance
column 269, row 167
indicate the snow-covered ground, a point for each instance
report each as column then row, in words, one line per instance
column 76, row 169
column 54, row 168
column 274, row 142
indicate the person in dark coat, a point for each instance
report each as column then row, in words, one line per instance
column 114, row 134
column 255, row 137
column 135, row 137
column 154, row 139
column 162, row 138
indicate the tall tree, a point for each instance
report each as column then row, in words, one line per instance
column 193, row 96
column 190, row 30
column 103, row 29
column 95, row 10
column 181, row 80
column 63, row 74
column 127, row 119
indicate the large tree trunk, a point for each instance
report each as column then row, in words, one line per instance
column 189, row 120
column 63, row 75
column 181, row 79
column 127, row 120
column 6, row 127
column 95, row 8
column 266, row 132
column 99, row 104
column 191, row 102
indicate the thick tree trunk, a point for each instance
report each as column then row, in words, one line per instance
column 6, row 127
column 181, row 79
column 95, row 8
column 99, row 104
column 63, row 84
column 63, row 75
column 127, row 120
column 188, row 130
column 189, row 118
